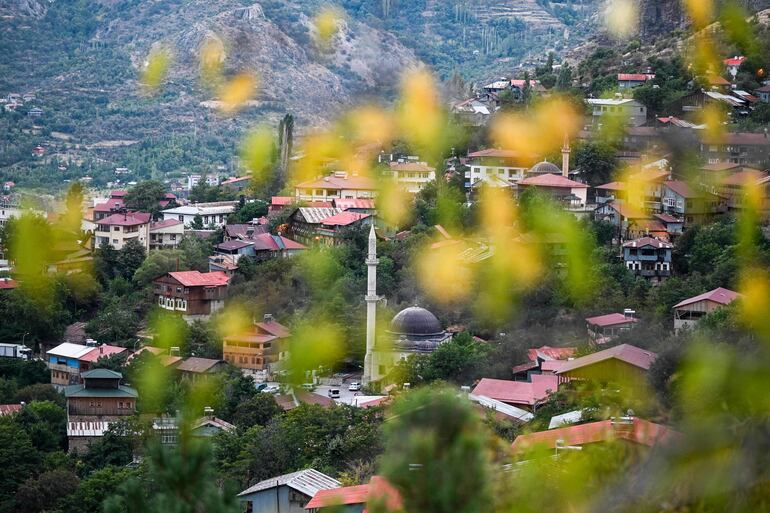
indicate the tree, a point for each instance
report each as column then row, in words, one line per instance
column 146, row 197
column 285, row 143
column 564, row 80
column 95, row 488
column 46, row 491
column 18, row 460
column 182, row 480
column 596, row 161
column 157, row 264
column 197, row 222
column 115, row 447
column 106, row 262
column 196, row 253
column 46, row 424
column 257, row 411
column 436, row 454
column 130, row 258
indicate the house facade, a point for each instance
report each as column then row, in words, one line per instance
column 211, row 214
column 289, row 493
column 192, row 294
column 494, row 164
column 630, row 112
column 648, row 257
column 166, row 234
column 262, row 348
column 693, row 206
column 117, row 230
column 94, row 405
column 412, row 176
column 67, row 361
column 337, row 185
column 603, row 328
column 689, row 312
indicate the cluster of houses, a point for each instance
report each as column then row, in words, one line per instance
column 15, row 101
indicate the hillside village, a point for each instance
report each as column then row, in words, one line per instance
column 555, row 281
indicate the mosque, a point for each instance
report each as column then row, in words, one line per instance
column 413, row 330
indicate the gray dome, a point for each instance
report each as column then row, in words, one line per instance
column 544, row 167
column 415, row 321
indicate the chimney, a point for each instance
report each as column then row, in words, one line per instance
column 267, row 318
column 208, row 411
column 173, row 351
column 629, row 313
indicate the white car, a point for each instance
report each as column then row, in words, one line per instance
column 354, row 387
column 271, row 389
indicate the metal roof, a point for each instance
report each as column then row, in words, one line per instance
column 69, row 350
column 625, row 352
column 505, row 409
column 308, row 481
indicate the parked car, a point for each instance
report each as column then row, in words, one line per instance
column 261, row 386
column 308, row 386
column 271, row 389
column 334, row 393
column 355, row 386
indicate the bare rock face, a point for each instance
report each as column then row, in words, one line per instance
column 31, row 8
column 251, row 13
column 658, row 17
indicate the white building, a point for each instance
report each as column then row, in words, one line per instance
column 166, row 234
column 494, row 164
column 212, row 214
column 8, row 210
column 412, row 176
column 117, row 229
column 193, row 180
column 338, row 185
column 630, row 111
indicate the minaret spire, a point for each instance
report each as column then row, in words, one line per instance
column 565, row 151
column 371, row 305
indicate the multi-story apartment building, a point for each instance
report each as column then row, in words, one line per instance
column 262, row 348
column 117, row 229
column 335, row 186
column 493, row 164
column 166, row 234
column 211, row 214
column 412, row 176
column 630, row 112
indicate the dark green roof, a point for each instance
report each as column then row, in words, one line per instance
column 102, row 374
column 82, row 391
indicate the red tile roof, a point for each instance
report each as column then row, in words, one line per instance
column 346, row 203
column 344, row 219
column 282, row 201
column 638, row 431
column 667, row 218
column 637, row 77
column 268, row 242
column 102, row 351
column 648, row 241
column 274, row 328
column 650, row 175
column 613, row 186
column 612, row 319
column 624, row 352
column 627, row 211
column 8, row 284
column 748, row 176
column 551, row 180
column 109, row 205
column 732, row 138
column 518, row 392
column 197, row 365
column 378, row 489
column 734, row 61
column 681, row 188
column 127, row 219
column 719, row 295
column 340, row 183
column 551, row 353
column 159, row 225
column 8, row 409
column 199, row 279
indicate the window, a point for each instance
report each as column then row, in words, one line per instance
column 181, row 218
column 161, row 300
column 115, row 241
column 116, row 228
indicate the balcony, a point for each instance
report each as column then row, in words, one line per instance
column 651, row 273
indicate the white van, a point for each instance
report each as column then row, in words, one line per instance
column 334, row 393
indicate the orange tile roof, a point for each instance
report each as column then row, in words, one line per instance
column 377, row 489
column 636, row 430
column 199, row 279
column 624, row 352
column 344, row 219
column 551, row 180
